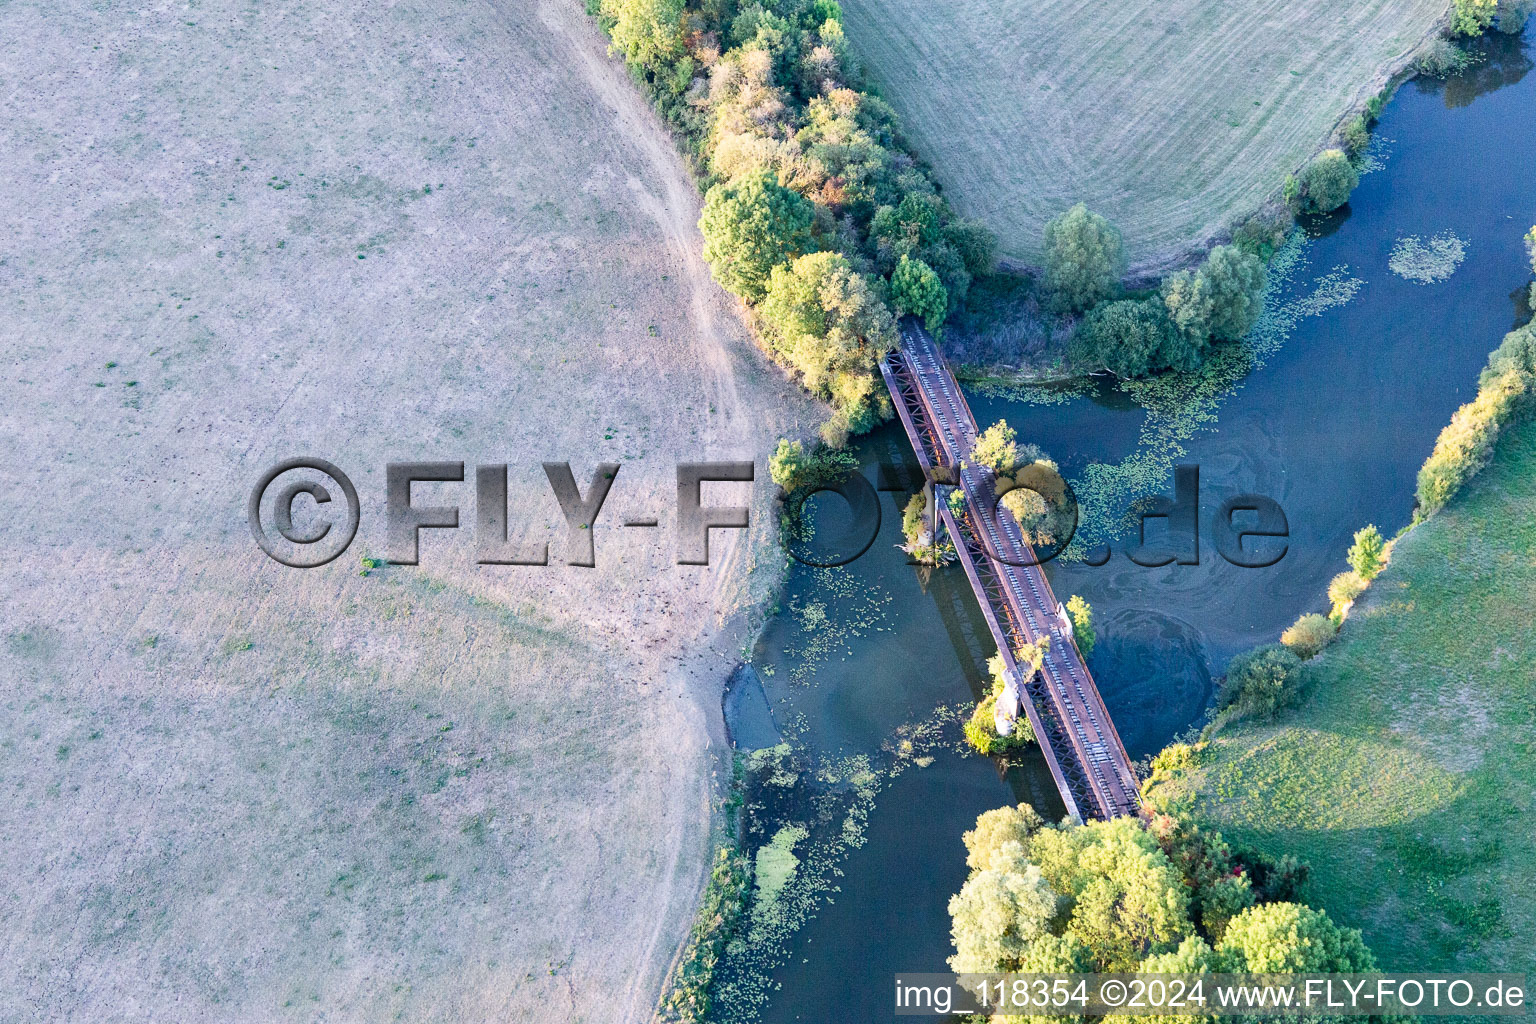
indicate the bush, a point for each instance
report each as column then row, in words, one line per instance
column 1260, row 682
column 996, row 448
column 750, row 228
column 1264, row 232
column 1309, row 635
column 1355, row 135
column 981, row 729
column 1131, row 338
column 1082, row 624
column 915, row 289
column 1472, row 17
column 1443, row 58
column 793, row 469
column 1530, row 238
column 1084, row 258
column 1466, row 444
column 1513, row 15
column 1329, row 180
column 1343, row 589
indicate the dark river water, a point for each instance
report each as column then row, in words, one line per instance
column 1333, row 425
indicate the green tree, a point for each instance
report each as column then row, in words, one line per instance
column 648, row 33
column 999, row 912
column 1084, row 258
column 916, row 289
column 996, row 827
column 1513, row 15
column 825, row 320
column 1329, row 180
column 1472, row 17
column 1530, row 243
column 1132, row 338
column 1367, row 553
column 1309, row 635
column 1260, row 681
column 1082, row 624
column 751, row 227
column 1235, row 283
column 1289, row 938
column 997, row 448
column 1029, row 509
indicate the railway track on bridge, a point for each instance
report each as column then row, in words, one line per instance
column 1062, row 702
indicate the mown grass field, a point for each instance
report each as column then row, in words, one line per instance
column 1408, row 777
column 234, row 791
column 1170, row 117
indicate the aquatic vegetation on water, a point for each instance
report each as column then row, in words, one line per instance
column 1180, row 404
column 1427, row 262
column 845, row 607
column 814, row 821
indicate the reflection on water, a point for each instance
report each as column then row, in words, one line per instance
column 1332, row 422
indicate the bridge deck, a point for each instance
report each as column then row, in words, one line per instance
column 1063, row 705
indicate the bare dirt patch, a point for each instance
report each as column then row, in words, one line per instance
column 234, row 791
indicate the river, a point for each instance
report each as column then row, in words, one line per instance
column 1332, row 420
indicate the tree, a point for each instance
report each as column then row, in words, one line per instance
column 916, row 289
column 996, row 448
column 1133, row 338
column 1367, row 554
column 996, row 827
column 1309, row 635
column 1234, row 281
column 649, row 33
column 1530, row 243
column 1513, row 15
column 1259, row 681
column 1030, row 510
column 1084, row 258
column 1329, row 180
column 750, row 227
column 1472, row 17
column 999, row 912
column 1082, row 623
column 1289, row 938
column 825, row 320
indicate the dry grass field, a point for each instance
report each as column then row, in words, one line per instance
column 232, row 791
column 1170, row 117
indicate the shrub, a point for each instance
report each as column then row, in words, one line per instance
column 1472, row 17
column 1309, row 635
column 914, row 525
column 1442, row 58
column 915, row 289
column 1466, row 444
column 996, row 448
column 1329, row 180
column 1084, row 258
column 1343, row 589
column 1513, row 15
column 1530, row 238
column 792, row 468
column 1082, row 624
column 1260, row 681
column 750, row 228
column 1355, row 135
column 719, row 914
column 1131, row 338
column 981, row 729
column 1264, row 232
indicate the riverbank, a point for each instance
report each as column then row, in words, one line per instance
column 1405, row 777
